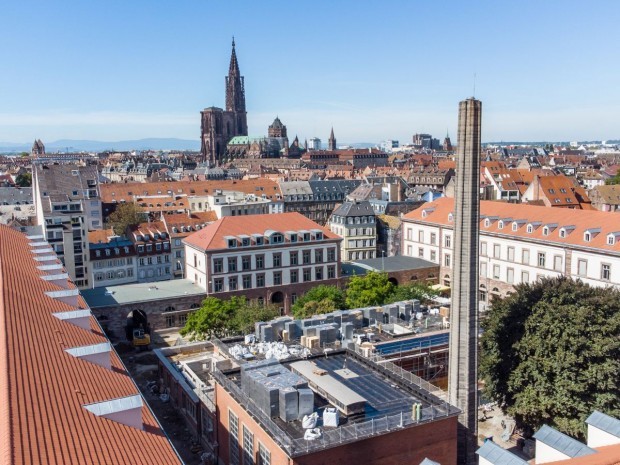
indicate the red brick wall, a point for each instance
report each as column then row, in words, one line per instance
column 436, row 440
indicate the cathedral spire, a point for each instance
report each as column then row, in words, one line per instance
column 235, row 91
column 332, row 141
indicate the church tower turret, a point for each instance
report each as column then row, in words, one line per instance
column 331, row 143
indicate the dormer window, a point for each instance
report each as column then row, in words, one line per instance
column 450, row 217
column 232, row 243
column 487, row 223
column 545, row 231
column 590, row 234
column 500, row 224
column 612, row 238
column 565, row 231
column 530, row 228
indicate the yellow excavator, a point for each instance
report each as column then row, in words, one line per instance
column 141, row 340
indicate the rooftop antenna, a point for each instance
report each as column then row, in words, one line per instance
column 474, row 85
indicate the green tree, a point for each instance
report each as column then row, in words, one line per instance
column 550, row 353
column 614, row 179
column 24, row 180
column 217, row 318
column 320, row 299
column 373, row 288
column 419, row 291
column 248, row 312
column 212, row 319
column 24, row 154
column 125, row 215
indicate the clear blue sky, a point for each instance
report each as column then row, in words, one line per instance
column 121, row 69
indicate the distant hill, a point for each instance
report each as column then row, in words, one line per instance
column 72, row 145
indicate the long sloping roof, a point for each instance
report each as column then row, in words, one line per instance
column 214, row 235
column 43, row 388
column 576, row 222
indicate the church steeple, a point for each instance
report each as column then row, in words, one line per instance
column 235, row 88
column 332, row 141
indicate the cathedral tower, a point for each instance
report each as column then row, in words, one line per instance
column 219, row 126
column 235, row 95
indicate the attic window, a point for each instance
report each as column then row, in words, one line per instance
column 515, row 226
column 587, row 236
column 530, row 228
column 232, row 243
column 450, row 217
column 611, row 238
column 500, row 224
column 487, row 223
column 546, row 231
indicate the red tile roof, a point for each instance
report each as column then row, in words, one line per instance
column 437, row 213
column 212, row 237
column 43, row 389
column 143, row 190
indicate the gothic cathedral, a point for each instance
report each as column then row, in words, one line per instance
column 219, row 126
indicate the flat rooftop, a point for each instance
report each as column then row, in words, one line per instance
column 140, row 292
column 396, row 263
column 388, row 406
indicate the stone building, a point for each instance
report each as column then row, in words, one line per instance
column 219, row 126
column 355, row 222
column 270, row 258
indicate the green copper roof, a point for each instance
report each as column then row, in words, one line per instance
column 243, row 140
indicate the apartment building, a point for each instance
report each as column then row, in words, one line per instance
column 356, row 223
column 68, row 205
column 270, row 258
column 113, row 259
column 154, row 256
column 520, row 243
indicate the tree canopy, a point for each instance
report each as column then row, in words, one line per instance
column 24, row 180
column 125, row 215
column 217, row 318
column 320, row 299
column 373, row 288
column 550, row 353
column 415, row 290
column 615, row 179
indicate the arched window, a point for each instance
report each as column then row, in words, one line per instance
column 169, row 309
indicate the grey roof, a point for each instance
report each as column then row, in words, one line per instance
column 604, row 422
column 139, row 292
column 497, row 455
column 355, row 209
column 295, row 187
column 12, row 195
column 561, row 442
column 396, row 263
column 60, row 181
column 334, row 185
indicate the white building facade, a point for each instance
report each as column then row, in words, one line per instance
column 520, row 244
column 270, row 258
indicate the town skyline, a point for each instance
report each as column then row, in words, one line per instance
column 373, row 73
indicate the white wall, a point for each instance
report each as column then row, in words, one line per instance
column 599, row 438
